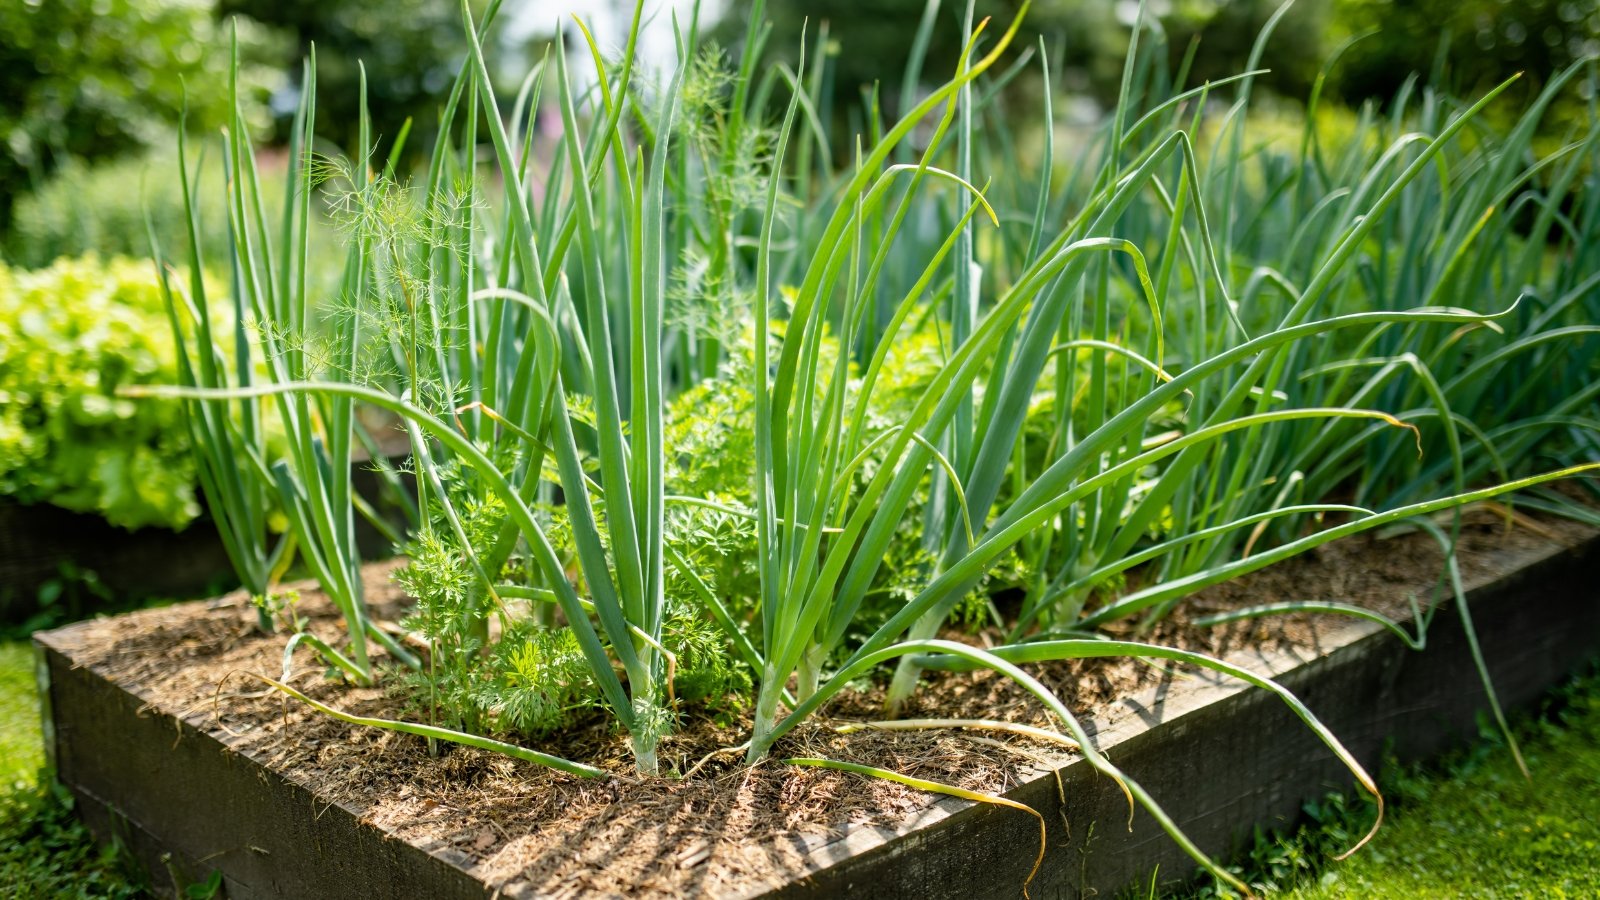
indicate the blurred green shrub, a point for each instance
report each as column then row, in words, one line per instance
column 869, row 43
column 1475, row 44
column 1088, row 39
column 70, row 335
column 409, row 48
column 94, row 79
column 101, row 209
column 1479, row 43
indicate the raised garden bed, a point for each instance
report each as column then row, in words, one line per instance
column 39, row 543
column 287, row 803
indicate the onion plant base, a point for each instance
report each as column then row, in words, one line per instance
column 1222, row 758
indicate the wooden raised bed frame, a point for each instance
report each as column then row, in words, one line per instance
column 39, row 540
column 1222, row 757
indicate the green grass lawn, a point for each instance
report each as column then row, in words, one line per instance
column 44, row 851
column 21, row 754
column 1469, row 826
column 1466, row 826
column 1480, row 829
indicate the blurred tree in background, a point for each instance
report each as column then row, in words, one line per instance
column 92, row 83
column 411, row 50
column 92, row 80
column 95, row 79
column 1484, row 41
column 1087, row 38
column 869, row 41
column 1225, row 31
column 1479, row 42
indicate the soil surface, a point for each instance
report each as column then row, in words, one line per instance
column 727, row 829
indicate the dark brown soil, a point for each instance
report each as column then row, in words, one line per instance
column 728, row 827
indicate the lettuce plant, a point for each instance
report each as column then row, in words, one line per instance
column 71, row 335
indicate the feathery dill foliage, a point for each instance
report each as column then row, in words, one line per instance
column 408, row 328
column 702, row 418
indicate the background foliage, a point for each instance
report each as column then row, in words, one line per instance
column 410, row 48
column 95, row 79
column 101, row 208
column 70, row 335
column 1479, row 42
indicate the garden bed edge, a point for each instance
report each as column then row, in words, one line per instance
column 1223, row 758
